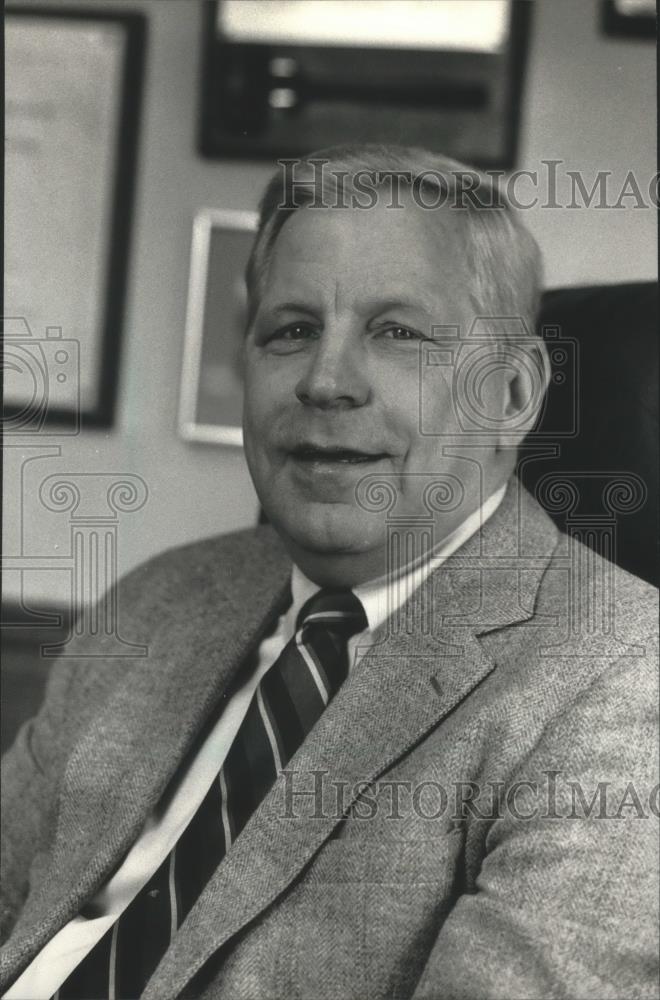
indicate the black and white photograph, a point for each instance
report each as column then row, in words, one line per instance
column 330, row 521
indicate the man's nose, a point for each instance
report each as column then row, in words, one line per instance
column 336, row 375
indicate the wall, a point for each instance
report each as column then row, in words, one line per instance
column 589, row 101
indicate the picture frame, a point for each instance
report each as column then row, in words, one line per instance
column 283, row 84
column 211, row 393
column 73, row 91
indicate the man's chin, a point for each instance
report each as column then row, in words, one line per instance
column 328, row 529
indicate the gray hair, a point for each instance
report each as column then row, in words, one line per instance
column 503, row 256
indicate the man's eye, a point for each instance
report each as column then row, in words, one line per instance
column 401, row 333
column 293, row 332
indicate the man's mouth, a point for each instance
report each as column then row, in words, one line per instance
column 335, row 454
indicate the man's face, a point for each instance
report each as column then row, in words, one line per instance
column 333, row 379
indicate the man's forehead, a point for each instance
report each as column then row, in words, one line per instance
column 397, row 254
column 373, row 286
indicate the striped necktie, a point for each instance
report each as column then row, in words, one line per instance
column 287, row 702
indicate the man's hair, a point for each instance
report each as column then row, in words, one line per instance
column 502, row 256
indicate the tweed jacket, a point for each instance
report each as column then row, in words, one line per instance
column 475, row 815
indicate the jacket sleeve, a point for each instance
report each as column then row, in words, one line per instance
column 33, row 768
column 566, row 901
column 31, row 772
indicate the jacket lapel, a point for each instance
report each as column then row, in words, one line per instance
column 392, row 698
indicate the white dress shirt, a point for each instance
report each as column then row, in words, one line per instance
column 380, row 599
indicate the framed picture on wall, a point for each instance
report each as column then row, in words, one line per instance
column 288, row 76
column 72, row 88
column 211, row 384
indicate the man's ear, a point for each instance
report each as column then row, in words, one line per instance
column 524, row 392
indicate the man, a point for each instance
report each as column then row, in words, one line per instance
column 381, row 747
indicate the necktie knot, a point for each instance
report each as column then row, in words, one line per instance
column 338, row 610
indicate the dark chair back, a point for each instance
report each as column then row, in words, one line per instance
column 601, row 415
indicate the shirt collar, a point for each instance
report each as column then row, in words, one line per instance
column 382, row 597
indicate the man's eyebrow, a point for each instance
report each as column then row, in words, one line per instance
column 282, row 307
column 371, row 306
column 399, row 302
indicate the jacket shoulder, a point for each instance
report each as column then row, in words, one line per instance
column 594, row 584
column 220, row 559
